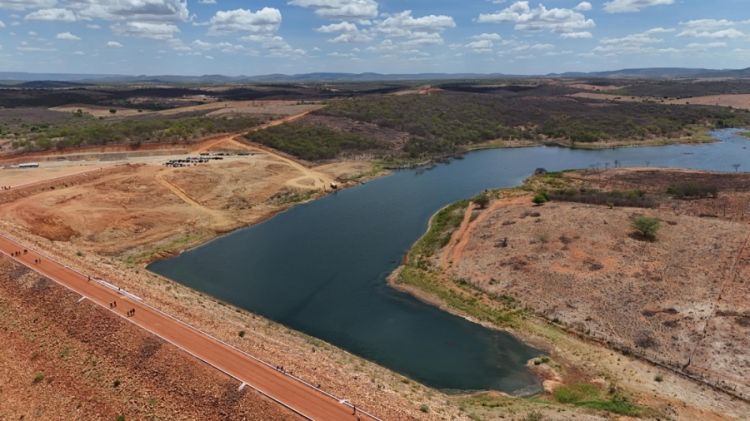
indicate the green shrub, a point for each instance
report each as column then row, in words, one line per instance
column 540, row 198
column 630, row 198
column 646, row 227
column 38, row 377
column 482, row 200
column 589, row 396
column 692, row 191
column 534, row 416
column 576, row 393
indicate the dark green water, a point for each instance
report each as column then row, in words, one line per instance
column 320, row 267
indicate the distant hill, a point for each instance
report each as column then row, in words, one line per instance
column 20, row 78
column 47, row 84
column 659, row 73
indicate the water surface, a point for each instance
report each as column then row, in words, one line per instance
column 320, row 267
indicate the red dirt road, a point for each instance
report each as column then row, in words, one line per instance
column 293, row 393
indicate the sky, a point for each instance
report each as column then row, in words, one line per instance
column 252, row 37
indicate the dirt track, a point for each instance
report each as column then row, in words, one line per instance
column 292, row 393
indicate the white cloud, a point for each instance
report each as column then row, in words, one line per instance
column 481, row 46
column 341, row 9
column 114, row 44
column 710, row 28
column 639, row 43
column 488, row 37
column 583, row 6
column 405, row 25
column 483, row 43
column 642, row 38
column 67, row 36
column 132, row 10
column 55, row 14
column 278, row 47
column 623, row 6
column 347, row 32
column 338, row 27
column 577, row 35
column 706, row 46
column 26, row 4
column 31, row 49
column 207, row 1
column 79, row 53
column 224, row 47
column 2, row 24
column 337, row 54
column 707, row 24
column 560, row 21
column 266, row 20
column 153, row 30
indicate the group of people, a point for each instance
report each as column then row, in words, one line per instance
column 130, row 313
column 6, row 187
column 24, row 252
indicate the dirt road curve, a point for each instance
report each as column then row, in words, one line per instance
column 302, row 398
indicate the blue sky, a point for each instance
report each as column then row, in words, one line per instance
column 234, row 37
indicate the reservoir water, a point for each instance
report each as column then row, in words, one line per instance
column 320, row 267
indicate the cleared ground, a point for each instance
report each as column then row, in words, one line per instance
column 212, row 107
column 741, row 101
column 682, row 301
column 135, row 210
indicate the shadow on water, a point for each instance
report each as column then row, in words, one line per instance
column 320, row 267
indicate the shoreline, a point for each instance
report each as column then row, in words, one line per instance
column 162, row 281
column 534, row 329
column 531, row 336
column 383, row 169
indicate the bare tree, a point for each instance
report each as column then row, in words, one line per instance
column 736, row 167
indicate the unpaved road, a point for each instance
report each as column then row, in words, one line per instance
column 304, row 399
column 310, row 179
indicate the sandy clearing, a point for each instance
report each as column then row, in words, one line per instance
column 741, row 101
column 590, row 87
column 733, row 100
column 20, row 177
column 220, row 218
column 213, row 109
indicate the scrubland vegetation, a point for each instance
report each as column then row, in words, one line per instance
column 87, row 131
column 312, row 142
column 449, row 122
